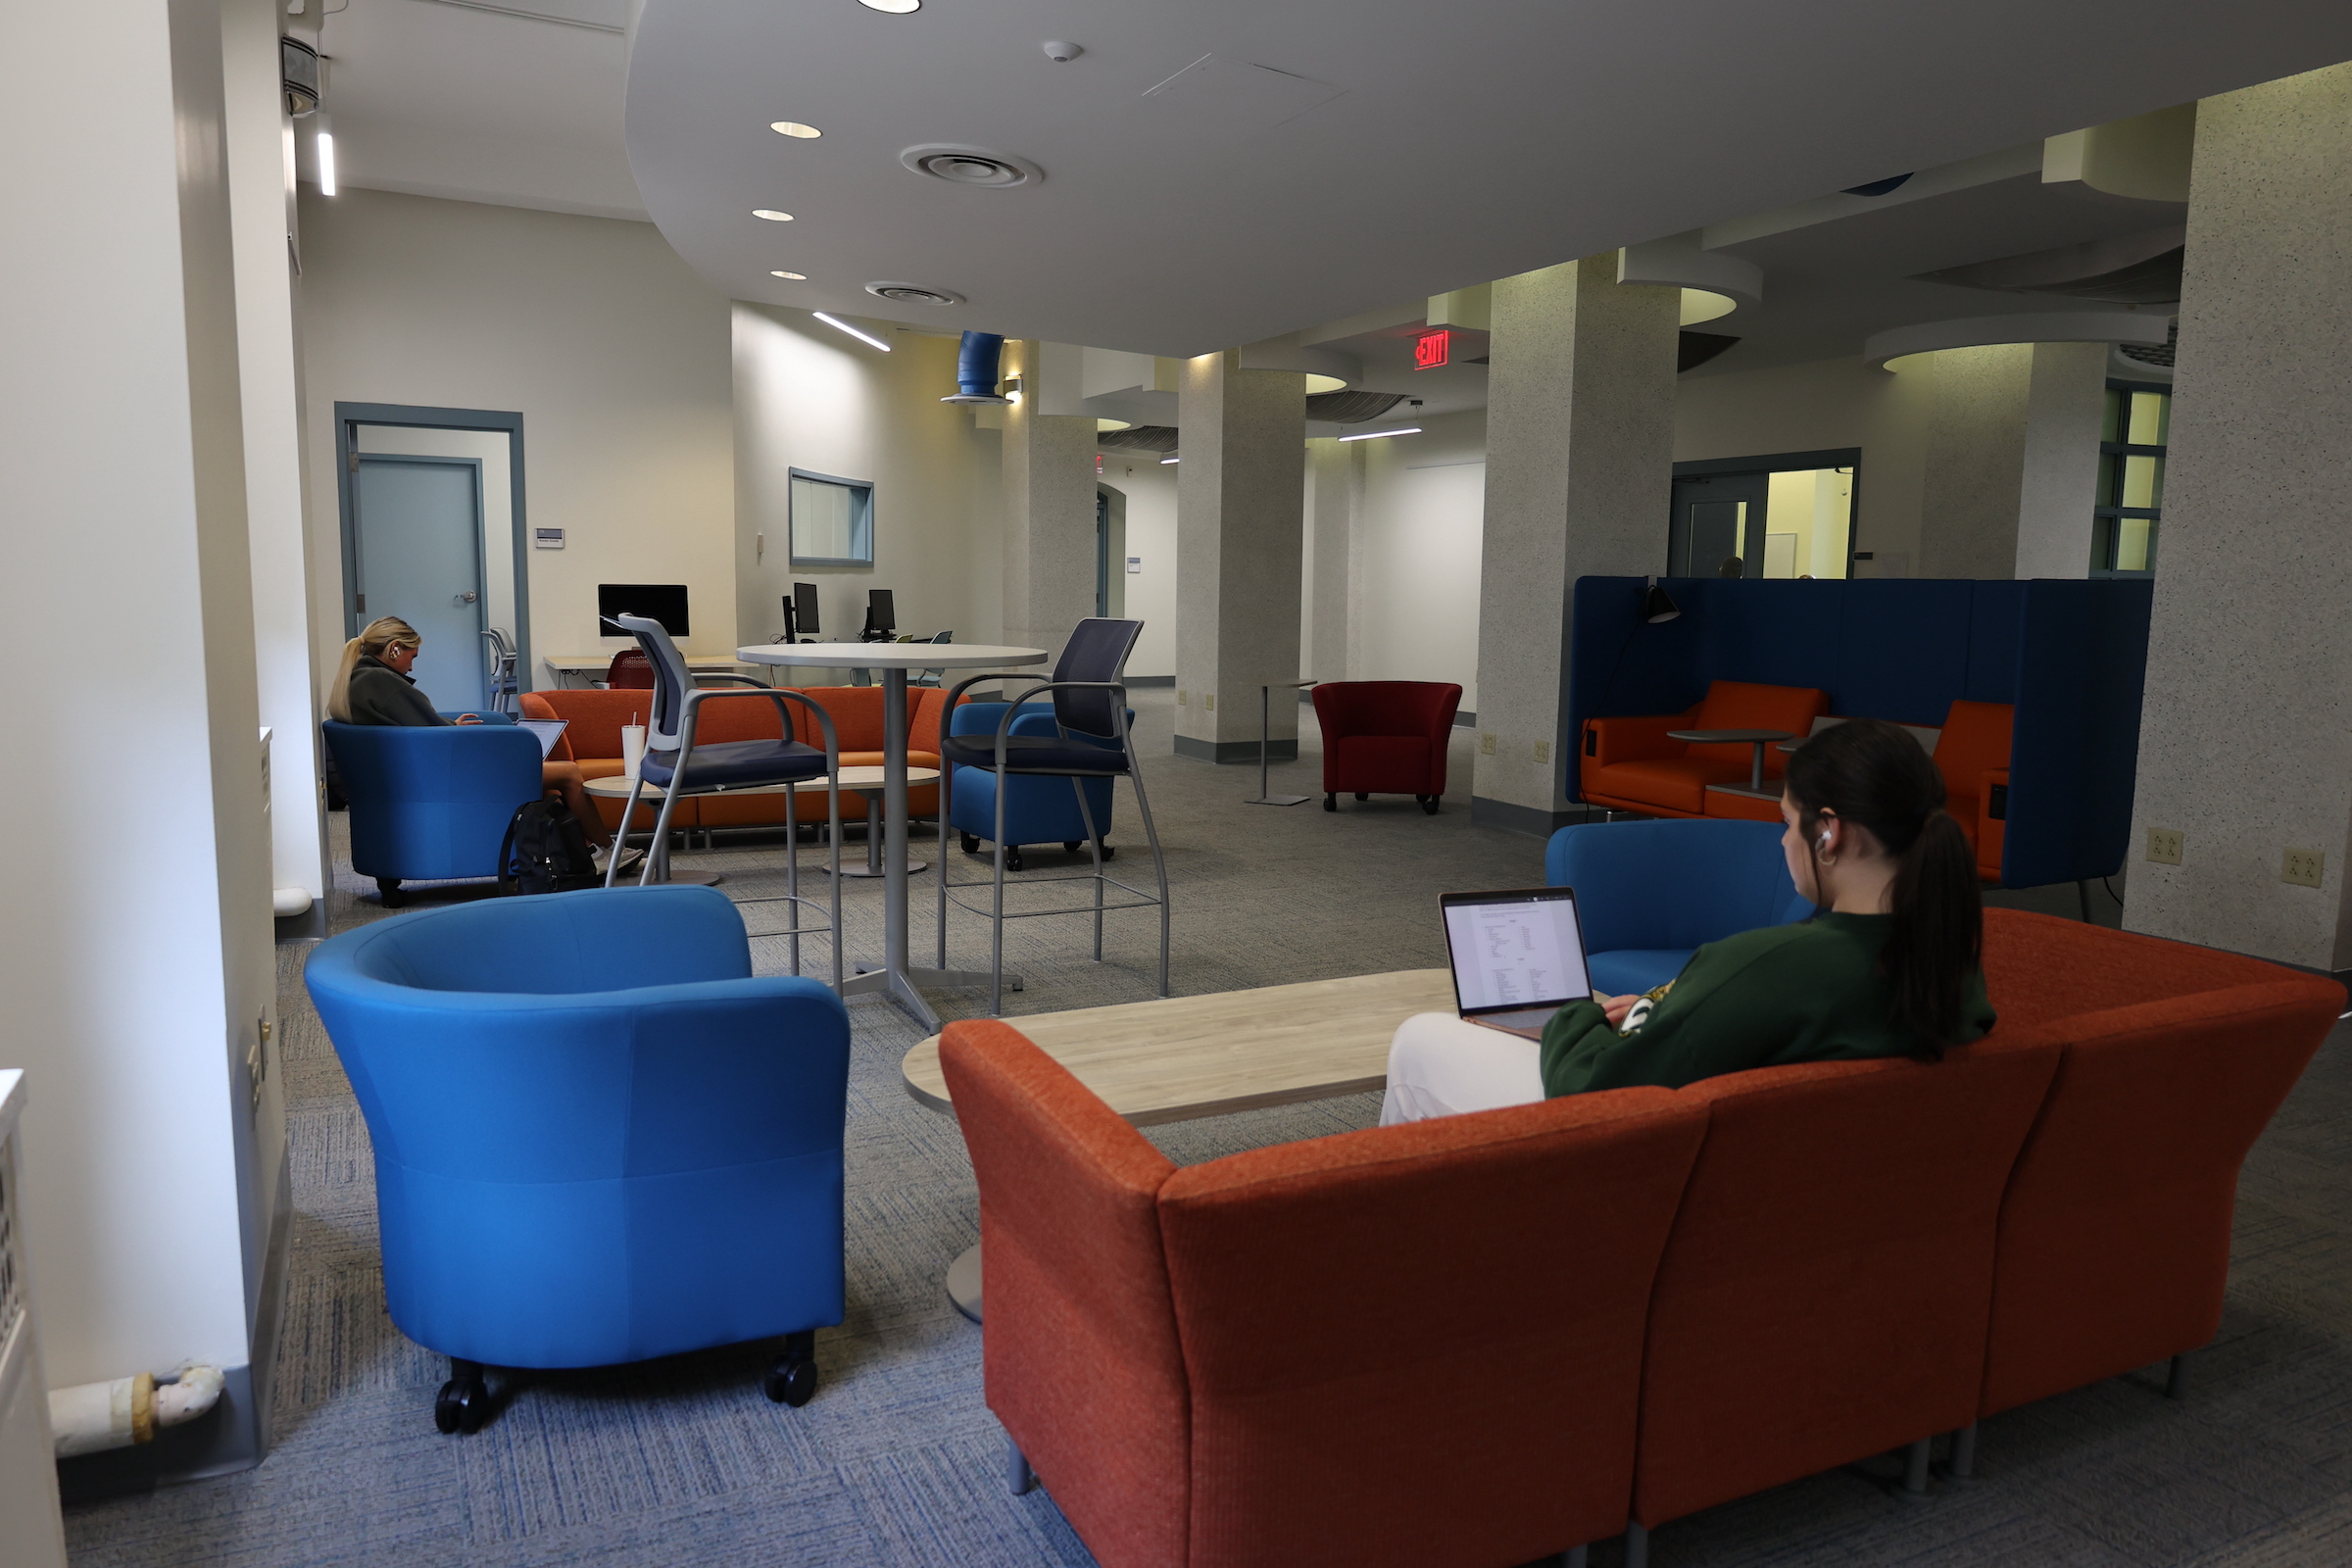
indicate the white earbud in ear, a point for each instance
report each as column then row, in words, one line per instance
column 1823, row 843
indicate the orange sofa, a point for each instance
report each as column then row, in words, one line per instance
column 594, row 742
column 1630, row 766
column 1412, row 1346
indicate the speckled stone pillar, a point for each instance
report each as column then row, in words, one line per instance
column 1579, row 465
column 1049, row 514
column 2245, row 741
column 1239, row 526
column 1975, row 463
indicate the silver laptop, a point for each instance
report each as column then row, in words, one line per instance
column 1518, row 956
column 547, row 730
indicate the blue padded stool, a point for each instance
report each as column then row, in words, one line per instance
column 598, row 1138
column 1647, row 894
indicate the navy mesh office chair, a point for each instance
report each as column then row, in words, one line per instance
column 675, row 765
column 1093, row 740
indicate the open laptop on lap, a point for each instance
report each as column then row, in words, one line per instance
column 1518, row 956
column 547, row 731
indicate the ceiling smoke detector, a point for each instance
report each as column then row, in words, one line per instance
column 912, row 294
column 972, row 166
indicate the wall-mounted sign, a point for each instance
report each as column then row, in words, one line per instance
column 1432, row 349
column 546, row 538
column 1135, row 565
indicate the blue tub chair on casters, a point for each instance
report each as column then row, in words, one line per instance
column 1037, row 811
column 1650, row 892
column 671, row 753
column 598, row 1138
column 431, row 805
column 1089, row 740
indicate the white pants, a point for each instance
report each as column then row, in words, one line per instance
column 1441, row 1066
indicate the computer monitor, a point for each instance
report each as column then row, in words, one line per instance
column 881, row 616
column 665, row 602
column 801, row 610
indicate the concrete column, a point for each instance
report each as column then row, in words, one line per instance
column 261, row 177
column 1048, row 508
column 1334, row 527
column 141, row 971
column 2246, row 728
column 1580, row 464
column 1240, row 499
column 2059, row 481
column 1975, row 463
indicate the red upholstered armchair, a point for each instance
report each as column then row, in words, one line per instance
column 1342, row 1351
column 1631, row 765
column 1385, row 737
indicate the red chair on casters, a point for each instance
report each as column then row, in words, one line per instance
column 1385, row 737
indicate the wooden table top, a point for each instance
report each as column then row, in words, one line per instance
column 852, row 778
column 1180, row 1057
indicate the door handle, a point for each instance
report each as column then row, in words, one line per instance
column 466, row 598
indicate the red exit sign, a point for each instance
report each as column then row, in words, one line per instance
column 1432, row 349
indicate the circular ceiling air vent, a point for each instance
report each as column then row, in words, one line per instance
column 972, row 166
column 912, row 294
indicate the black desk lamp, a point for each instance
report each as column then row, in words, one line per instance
column 1657, row 606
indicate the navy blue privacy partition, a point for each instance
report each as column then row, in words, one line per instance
column 2070, row 655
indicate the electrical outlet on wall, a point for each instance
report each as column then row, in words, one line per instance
column 1486, row 746
column 1543, row 753
column 1183, row 699
column 2165, row 845
column 1209, row 701
column 2304, row 868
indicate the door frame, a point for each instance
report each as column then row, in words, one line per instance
column 1849, row 458
column 353, row 552
column 349, row 416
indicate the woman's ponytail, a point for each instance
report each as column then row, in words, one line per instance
column 1874, row 774
column 373, row 641
column 338, row 690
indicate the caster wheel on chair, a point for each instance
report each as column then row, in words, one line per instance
column 1429, row 804
column 1331, row 803
column 793, row 1382
column 1072, row 846
column 971, row 843
column 388, row 890
column 461, row 1407
column 1012, row 857
column 1361, row 798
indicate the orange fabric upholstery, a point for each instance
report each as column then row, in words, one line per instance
column 1630, row 764
column 2114, row 1242
column 1822, row 1297
column 1269, row 1428
column 1971, row 751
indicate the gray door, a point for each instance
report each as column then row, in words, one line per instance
column 417, row 539
column 1717, row 520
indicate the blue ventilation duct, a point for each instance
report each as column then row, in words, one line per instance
column 976, row 369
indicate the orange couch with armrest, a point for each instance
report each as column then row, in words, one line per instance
column 1629, row 764
column 594, row 742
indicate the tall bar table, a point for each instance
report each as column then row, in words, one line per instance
column 896, row 979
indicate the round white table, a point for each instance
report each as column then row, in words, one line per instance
column 896, row 979
column 870, row 784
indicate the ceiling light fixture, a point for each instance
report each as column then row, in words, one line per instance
column 1374, row 435
column 327, row 156
column 862, row 337
column 797, row 277
column 896, row 8
column 1164, row 462
column 771, row 215
column 794, row 129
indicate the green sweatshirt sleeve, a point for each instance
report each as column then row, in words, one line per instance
column 1728, row 1012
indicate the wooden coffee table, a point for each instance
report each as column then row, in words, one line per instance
column 1177, row 1058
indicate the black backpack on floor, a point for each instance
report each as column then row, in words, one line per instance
column 546, row 850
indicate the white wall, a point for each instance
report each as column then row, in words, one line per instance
column 1424, row 519
column 1149, row 489
column 813, row 398
column 616, row 354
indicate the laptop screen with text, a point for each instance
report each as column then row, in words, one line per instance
column 1514, row 950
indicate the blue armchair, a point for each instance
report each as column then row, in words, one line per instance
column 598, row 1138
column 1650, row 892
column 1037, row 811
column 427, row 804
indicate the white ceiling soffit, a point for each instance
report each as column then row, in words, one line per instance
column 1342, row 154
column 2041, row 327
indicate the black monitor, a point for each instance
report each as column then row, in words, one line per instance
column 881, row 616
column 800, row 619
column 665, row 602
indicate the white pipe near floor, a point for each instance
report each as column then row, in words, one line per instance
column 92, row 1418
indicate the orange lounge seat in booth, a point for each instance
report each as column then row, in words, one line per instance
column 597, row 716
column 1629, row 763
column 1972, row 754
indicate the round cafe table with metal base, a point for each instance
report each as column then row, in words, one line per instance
column 1758, row 738
column 897, row 979
column 616, row 788
column 869, row 782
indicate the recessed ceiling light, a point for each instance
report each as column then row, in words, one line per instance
column 797, row 277
column 794, row 128
column 771, row 215
column 1164, row 462
column 896, row 8
column 1374, row 435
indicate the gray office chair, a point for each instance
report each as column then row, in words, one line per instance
column 933, row 677
column 675, row 765
column 503, row 688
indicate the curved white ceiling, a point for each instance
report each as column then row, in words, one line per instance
column 1335, row 155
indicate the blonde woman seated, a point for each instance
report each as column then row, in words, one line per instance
column 374, row 686
column 1888, row 968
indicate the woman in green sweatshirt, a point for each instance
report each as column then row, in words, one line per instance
column 1890, row 966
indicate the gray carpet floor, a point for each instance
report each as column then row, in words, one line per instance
column 685, row 1461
